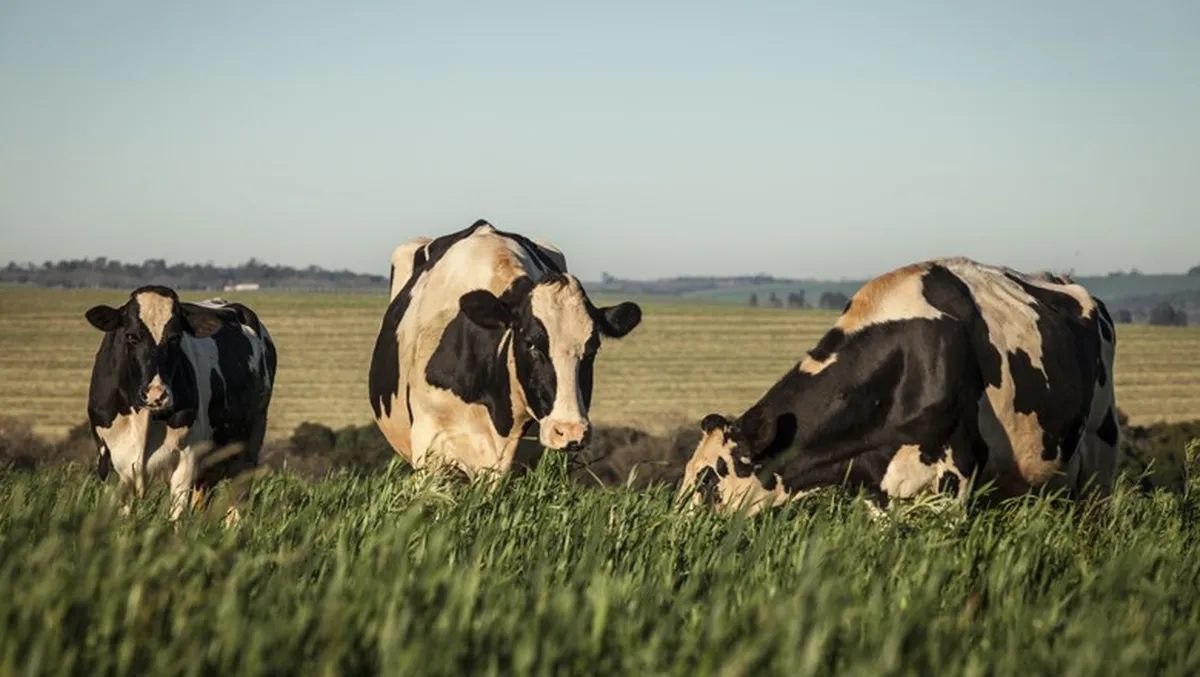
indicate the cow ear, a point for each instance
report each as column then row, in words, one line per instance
column 617, row 321
column 199, row 323
column 712, row 422
column 104, row 318
column 484, row 309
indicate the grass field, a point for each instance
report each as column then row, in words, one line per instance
column 686, row 360
column 387, row 574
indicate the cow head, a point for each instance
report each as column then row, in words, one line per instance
column 144, row 337
column 718, row 476
column 555, row 332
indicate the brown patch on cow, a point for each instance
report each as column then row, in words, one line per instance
column 155, row 311
column 890, row 297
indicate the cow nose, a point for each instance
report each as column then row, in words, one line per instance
column 154, row 396
column 566, row 435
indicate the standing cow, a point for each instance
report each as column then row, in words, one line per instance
column 935, row 373
column 174, row 382
column 486, row 333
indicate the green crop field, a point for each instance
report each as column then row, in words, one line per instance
column 685, row 361
column 402, row 574
column 390, row 574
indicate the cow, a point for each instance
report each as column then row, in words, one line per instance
column 936, row 375
column 486, row 334
column 178, row 388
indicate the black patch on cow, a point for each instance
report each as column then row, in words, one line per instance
column 1108, row 431
column 944, row 290
column 707, row 483
column 408, row 402
column 1106, row 328
column 103, row 462
column 948, row 484
column 535, row 371
column 384, row 376
column 769, row 481
column 712, row 422
column 931, row 453
column 828, row 345
column 1072, row 362
column 472, row 362
column 848, row 305
column 722, row 467
column 534, row 251
column 786, row 427
column 183, row 418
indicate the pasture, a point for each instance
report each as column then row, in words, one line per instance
column 394, row 575
column 685, row 361
column 400, row 574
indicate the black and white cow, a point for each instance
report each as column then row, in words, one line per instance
column 174, row 382
column 935, row 374
column 486, row 333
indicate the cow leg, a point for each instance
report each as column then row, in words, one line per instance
column 125, row 494
column 183, row 481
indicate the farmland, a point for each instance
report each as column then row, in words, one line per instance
column 397, row 573
column 686, row 360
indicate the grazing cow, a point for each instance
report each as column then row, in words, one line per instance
column 934, row 374
column 486, row 333
column 173, row 381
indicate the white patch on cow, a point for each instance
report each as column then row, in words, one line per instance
column 562, row 309
column 155, row 311
column 891, row 297
column 733, row 493
column 906, row 475
column 811, row 366
column 1011, row 317
column 402, row 263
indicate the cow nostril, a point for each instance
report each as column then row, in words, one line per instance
column 573, row 446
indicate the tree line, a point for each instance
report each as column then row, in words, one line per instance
column 102, row 272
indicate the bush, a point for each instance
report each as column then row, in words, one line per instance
column 1166, row 315
column 832, row 300
column 1123, row 316
column 22, row 449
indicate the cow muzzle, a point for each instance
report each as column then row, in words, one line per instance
column 565, row 435
column 156, row 396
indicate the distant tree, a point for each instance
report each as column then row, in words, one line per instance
column 753, row 301
column 795, row 299
column 832, row 300
column 1123, row 316
column 1166, row 315
column 774, row 301
column 1194, row 271
column 605, row 278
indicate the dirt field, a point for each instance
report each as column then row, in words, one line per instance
column 686, row 360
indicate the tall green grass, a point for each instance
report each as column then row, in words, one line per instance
column 398, row 574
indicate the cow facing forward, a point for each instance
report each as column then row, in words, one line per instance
column 486, row 334
column 179, row 389
column 935, row 374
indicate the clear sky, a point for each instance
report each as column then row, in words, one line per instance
column 643, row 138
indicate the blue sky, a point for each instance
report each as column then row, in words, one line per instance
column 645, row 139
